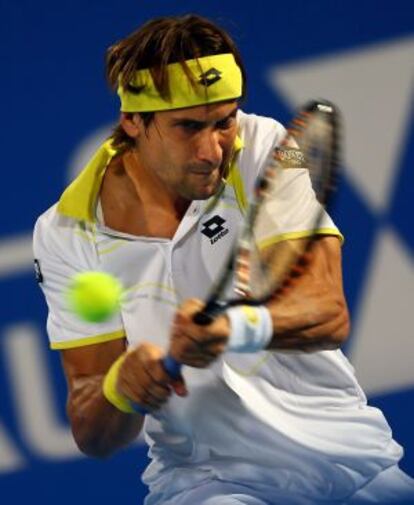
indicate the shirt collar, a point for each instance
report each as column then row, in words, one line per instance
column 78, row 201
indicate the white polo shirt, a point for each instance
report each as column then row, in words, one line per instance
column 293, row 422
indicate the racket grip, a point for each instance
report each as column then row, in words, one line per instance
column 202, row 318
column 207, row 315
column 139, row 408
column 172, row 366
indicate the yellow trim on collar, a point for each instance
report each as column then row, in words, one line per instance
column 217, row 78
column 79, row 198
column 78, row 201
column 235, row 179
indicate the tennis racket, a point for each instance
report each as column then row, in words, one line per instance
column 258, row 266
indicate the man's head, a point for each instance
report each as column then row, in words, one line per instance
column 179, row 80
column 153, row 48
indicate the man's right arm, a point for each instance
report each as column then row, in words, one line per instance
column 98, row 427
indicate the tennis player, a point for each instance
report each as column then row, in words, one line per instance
column 268, row 410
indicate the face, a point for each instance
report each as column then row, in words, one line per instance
column 187, row 150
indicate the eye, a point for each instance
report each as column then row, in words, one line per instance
column 226, row 123
column 192, row 126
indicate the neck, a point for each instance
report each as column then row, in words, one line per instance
column 150, row 190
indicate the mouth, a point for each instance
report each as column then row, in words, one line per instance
column 205, row 172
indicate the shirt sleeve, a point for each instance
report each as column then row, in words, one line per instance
column 294, row 210
column 61, row 250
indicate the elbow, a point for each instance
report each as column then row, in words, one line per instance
column 90, row 437
column 93, row 447
column 102, row 441
column 95, row 452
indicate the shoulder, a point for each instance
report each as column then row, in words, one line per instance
column 48, row 227
column 254, row 129
column 259, row 135
column 63, row 238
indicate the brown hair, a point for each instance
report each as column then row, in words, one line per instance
column 156, row 44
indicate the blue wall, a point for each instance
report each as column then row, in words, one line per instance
column 56, row 106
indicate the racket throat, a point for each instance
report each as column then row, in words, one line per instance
column 242, row 271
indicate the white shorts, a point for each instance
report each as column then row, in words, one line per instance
column 217, row 493
column 390, row 487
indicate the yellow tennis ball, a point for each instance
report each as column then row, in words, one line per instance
column 94, row 296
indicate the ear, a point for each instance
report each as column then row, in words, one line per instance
column 132, row 124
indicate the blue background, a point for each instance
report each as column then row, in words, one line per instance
column 53, row 96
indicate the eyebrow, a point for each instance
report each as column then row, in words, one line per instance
column 193, row 121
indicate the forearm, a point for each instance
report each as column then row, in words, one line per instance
column 323, row 330
column 312, row 313
column 98, row 427
column 104, row 381
column 308, row 313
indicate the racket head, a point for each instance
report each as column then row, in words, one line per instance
column 262, row 259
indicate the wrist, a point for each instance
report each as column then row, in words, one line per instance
column 110, row 390
column 251, row 328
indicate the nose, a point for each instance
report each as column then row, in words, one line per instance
column 209, row 149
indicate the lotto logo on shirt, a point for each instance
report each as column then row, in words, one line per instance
column 214, row 229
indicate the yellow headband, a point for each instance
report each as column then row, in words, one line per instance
column 217, row 78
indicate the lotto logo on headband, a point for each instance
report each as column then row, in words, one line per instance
column 210, row 77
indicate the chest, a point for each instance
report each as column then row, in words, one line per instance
column 132, row 218
column 158, row 274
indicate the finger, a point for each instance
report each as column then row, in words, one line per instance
column 158, row 374
column 208, row 354
column 198, row 361
column 146, row 392
column 150, row 396
column 217, row 348
column 199, row 342
column 157, row 391
column 192, row 304
column 179, row 387
column 134, row 381
column 154, row 369
column 136, row 395
column 213, row 350
column 188, row 309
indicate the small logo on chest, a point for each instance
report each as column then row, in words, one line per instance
column 214, row 229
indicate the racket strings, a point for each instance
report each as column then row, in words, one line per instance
column 261, row 264
column 309, row 143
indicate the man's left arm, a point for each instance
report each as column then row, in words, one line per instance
column 309, row 314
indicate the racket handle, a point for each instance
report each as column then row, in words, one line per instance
column 139, row 409
column 202, row 318
column 207, row 315
column 172, row 366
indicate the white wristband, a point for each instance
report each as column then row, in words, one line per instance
column 251, row 328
